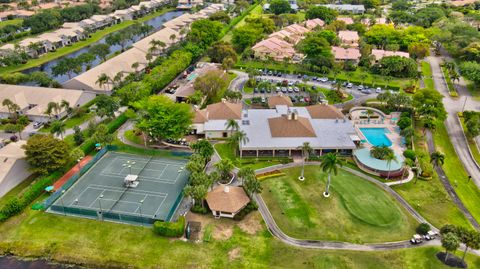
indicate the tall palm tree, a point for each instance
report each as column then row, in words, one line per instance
column 232, row 125
column 407, row 165
column 12, row 107
column 58, row 128
column 173, row 37
column 437, row 158
column 306, row 150
column 237, row 138
column 103, row 80
column 329, row 164
column 389, row 157
column 66, row 105
column 52, row 107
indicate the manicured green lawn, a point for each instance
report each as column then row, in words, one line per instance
column 11, row 22
column 78, row 45
column 129, row 134
column 17, row 190
column 152, row 152
column 471, row 142
column 102, row 244
column 74, row 121
column 429, row 198
column 357, row 210
column 226, row 151
column 427, row 74
column 467, row 191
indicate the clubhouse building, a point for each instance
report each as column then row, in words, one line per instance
column 281, row 130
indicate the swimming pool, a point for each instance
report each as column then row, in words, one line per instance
column 376, row 136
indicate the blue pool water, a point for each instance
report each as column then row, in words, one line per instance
column 376, row 136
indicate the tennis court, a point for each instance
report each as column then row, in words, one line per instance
column 101, row 193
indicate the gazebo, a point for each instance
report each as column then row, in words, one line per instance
column 227, row 201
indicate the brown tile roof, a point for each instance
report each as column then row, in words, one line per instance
column 279, row 100
column 285, row 127
column 346, row 54
column 200, row 116
column 228, row 199
column 224, row 111
column 322, row 111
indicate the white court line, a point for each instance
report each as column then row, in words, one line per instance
column 98, row 196
column 133, row 191
column 160, row 206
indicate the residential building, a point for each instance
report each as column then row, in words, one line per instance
column 212, row 121
column 293, row 6
column 313, row 24
column 33, row 101
column 227, row 201
column 188, row 4
column 279, row 100
column 347, row 8
column 346, row 54
column 276, row 49
column 349, row 38
column 346, row 20
column 13, row 167
column 379, row 54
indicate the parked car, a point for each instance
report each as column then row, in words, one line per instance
column 349, row 85
column 290, row 89
column 279, row 74
column 299, row 76
column 324, row 79
column 378, row 90
column 284, row 89
column 285, row 82
column 37, row 124
column 277, row 89
column 264, row 99
column 255, row 90
column 430, row 235
column 360, row 87
column 296, row 89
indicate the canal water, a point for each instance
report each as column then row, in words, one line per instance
column 156, row 22
column 9, row 262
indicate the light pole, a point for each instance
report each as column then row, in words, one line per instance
column 63, row 206
column 140, row 208
column 100, row 203
column 464, row 103
column 129, row 164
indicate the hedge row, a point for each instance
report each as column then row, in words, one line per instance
column 163, row 74
column 15, row 205
column 237, row 19
column 170, row 229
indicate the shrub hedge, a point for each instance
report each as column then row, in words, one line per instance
column 170, row 229
column 252, row 206
column 16, row 204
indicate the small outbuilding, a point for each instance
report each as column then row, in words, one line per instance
column 227, row 201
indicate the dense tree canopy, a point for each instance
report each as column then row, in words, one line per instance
column 254, row 30
column 211, row 84
column 220, row 51
column 162, row 118
column 204, row 32
column 278, row 7
column 326, row 14
column 471, row 70
column 46, row 154
column 396, row 66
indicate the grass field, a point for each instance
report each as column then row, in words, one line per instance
column 11, row 22
column 73, row 121
column 78, row 45
column 471, row 142
column 226, row 151
column 357, row 210
column 429, row 198
column 103, row 244
column 130, row 136
column 427, row 74
column 458, row 177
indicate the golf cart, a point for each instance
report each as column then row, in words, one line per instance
column 416, row 239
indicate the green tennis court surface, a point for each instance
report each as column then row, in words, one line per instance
column 101, row 194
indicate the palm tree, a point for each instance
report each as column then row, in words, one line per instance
column 117, row 79
column 369, row 114
column 246, row 173
column 390, row 157
column 173, row 37
column 329, row 164
column 437, row 158
column 66, row 105
column 103, row 80
column 58, row 128
column 135, row 66
column 52, row 107
column 407, row 165
column 306, row 150
column 232, row 125
column 237, row 138
column 12, row 107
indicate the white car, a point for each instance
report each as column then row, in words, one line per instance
column 378, row 90
column 37, row 124
column 349, row 85
column 323, row 79
column 360, row 87
column 264, row 99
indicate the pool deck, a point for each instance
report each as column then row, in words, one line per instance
column 388, row 123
